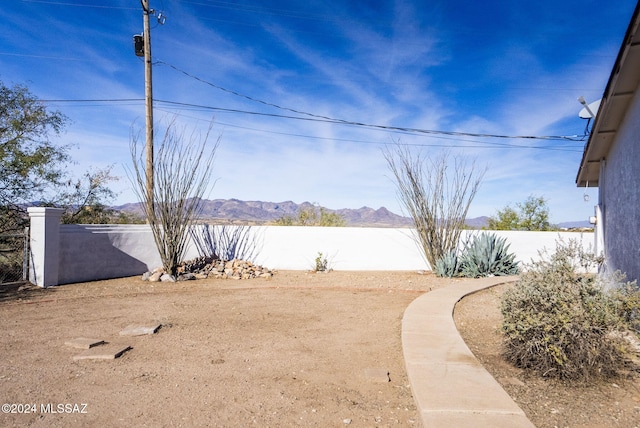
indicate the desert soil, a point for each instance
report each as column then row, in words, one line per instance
column 547, row 402
column 299, row 349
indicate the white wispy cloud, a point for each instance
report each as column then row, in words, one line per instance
column 495, row 68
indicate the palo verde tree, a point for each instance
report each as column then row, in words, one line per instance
column 532, row 214
column 436, row 191
column 30, row 163
column 85, row 200
column 182, row 171
column 35, row 170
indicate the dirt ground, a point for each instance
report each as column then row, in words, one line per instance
column 299, row 349
column 547, row 403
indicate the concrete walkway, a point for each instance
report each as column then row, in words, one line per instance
column 450, row 386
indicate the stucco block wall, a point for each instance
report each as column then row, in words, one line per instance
column 93, row 252
column 620, row 196
column 346, row 248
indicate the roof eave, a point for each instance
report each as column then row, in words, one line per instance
column 622, row 85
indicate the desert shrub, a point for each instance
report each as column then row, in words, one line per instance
column 562, row 321
column 626, row 295
column 10, row 268
column 11, row 257
column 322, row 263
column 482, row 255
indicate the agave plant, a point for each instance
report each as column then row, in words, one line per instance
column 487, row 255
column 449, row 265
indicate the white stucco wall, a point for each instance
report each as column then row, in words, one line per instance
column 620, row 196
column 92, row 252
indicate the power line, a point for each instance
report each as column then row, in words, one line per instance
column 408, row 132
column 289, row 13
column 199, row 107
column 367, row 125
column 478, row 144
column 62, row 3
column 42, row 56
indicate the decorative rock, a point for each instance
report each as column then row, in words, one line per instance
column 208, row 267
column 155, row 277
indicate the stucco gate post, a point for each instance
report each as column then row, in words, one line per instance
column 44, row 245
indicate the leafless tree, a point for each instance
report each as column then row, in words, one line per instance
column 182, row 172
column 437, row 192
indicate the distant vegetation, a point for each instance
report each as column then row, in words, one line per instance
column 312, row 216
column 532, row 214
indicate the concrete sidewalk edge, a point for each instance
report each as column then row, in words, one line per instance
column 449, row 385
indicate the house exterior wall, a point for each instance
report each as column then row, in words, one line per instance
column 619, row 195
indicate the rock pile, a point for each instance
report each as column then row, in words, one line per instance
column 210, row 267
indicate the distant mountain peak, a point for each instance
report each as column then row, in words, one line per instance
column 260, row 212
column 236, row 211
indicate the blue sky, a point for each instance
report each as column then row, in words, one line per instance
column 492, row 67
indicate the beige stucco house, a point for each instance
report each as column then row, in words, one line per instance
column 611, row 160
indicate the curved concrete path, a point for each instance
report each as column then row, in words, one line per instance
column 450, row 386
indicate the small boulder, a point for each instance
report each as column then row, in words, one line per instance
column 155, row 277
column 167, row 278
column 186, row 277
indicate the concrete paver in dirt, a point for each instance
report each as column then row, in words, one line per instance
column 109, row 351
column 83, row 343
column 140, row 330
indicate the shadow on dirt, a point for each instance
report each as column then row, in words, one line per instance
column 20, row 292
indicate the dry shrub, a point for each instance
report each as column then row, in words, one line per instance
column 562, row 321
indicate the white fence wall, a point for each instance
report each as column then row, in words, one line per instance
column 92, row 252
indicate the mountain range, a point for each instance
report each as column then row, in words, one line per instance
column 259, row 212
column 234, row 211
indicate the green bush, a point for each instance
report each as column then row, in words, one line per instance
column 322, row 264
column 484, row 255
column 562, row 321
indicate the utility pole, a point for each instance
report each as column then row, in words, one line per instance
column 148, row 93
